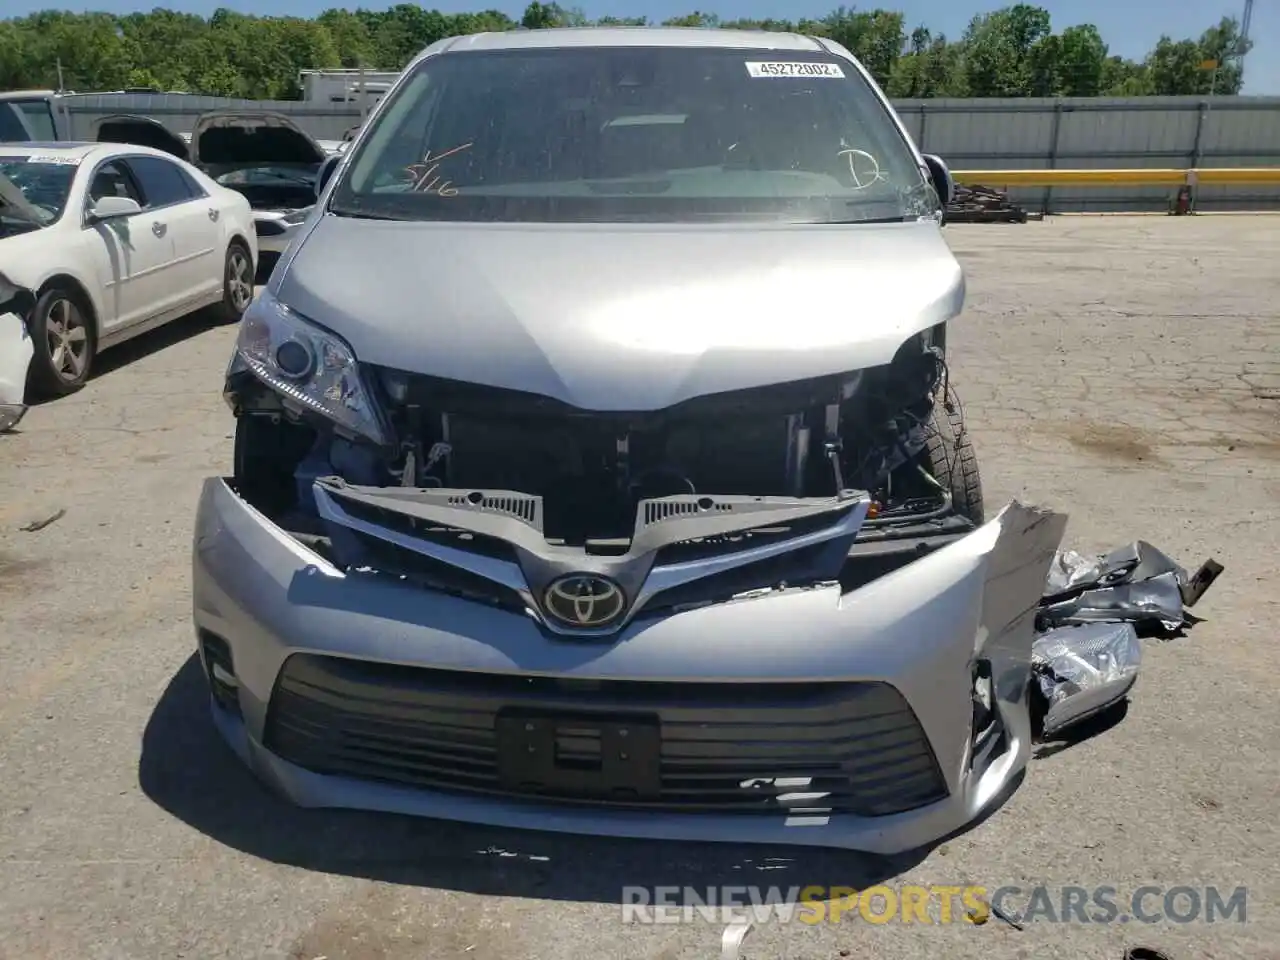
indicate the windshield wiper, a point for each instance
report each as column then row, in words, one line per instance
column 901, row 218
column 361, row 215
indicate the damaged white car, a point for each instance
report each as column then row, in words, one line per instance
column 597, row 466
column 16, row 348
column 260, row 154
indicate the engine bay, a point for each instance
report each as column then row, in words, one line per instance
column 867, row 430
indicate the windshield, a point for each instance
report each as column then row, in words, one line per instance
column 635, row 134
column 304, row 175
column 43, row 182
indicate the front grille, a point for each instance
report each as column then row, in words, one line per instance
column 432, row 574
column 799, row 748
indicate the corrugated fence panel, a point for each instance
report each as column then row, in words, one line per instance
column 1125, row 134
column 978, row 133
column 1252, row 132
column 996, row 134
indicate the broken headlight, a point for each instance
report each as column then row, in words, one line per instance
column 309, row 367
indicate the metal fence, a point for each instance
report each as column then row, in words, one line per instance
column 1106, row 133
column 1068, row 133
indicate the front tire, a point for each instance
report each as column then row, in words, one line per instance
column 237, row 283
column 63, row 344
column 952, row 459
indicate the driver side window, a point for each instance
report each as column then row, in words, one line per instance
column 112, row 180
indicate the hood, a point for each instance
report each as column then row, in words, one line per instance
column 140, row 132
column 624, row 318
column 244, row 138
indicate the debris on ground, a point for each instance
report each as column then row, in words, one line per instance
column 1083, row 670
column 731, row 939
column 1086, row 656
column 1136, row 584
column 36, row 526
column 972, row 203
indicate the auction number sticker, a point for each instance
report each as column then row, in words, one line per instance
column 793, row 68
column 54, row 158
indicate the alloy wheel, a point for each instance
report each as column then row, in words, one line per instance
column 239, row 280
column 68, row 338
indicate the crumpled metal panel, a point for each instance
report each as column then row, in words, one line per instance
column 1093, row 610
column 1136, row 583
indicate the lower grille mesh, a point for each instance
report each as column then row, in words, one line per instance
column 800, row 748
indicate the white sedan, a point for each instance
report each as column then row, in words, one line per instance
column 115, row 240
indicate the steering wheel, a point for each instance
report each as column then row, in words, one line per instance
column 864, row 169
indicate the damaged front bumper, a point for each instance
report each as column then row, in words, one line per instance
column 824, row 716
column 16, row 350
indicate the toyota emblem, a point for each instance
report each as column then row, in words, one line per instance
column 584, row 600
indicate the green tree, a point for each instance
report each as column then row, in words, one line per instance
column 15, row 66
column 695, row 19
column 1174, row 67
column 1081, row 58
column 998, row 58
column 350, row 34
column 1011, row 52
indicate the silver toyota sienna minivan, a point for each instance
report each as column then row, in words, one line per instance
column 598, row 468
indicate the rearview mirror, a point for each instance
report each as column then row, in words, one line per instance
column 108, row 208
column 326, row 173
column 940, row 176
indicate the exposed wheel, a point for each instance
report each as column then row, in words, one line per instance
column 63, row 343
column 237, row 283
column 952, row 460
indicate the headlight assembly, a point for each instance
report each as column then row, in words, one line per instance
column 309, row 366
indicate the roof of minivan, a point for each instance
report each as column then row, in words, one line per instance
column 634, row 37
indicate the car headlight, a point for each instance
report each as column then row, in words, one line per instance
column 309, row 366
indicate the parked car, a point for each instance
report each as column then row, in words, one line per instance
column 261, row 154
column 15, row 345
column 115, row 240
column 597, row 467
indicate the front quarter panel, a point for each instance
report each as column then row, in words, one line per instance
column 237, row 216
column 68, row 248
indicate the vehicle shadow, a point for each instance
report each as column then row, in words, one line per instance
column 144, row 345
column 187, row 770
column 1086, row 730
column 153, row 341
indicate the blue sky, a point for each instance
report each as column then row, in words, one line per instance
column 1131, row 27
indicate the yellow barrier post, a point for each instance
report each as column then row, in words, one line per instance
column 1153, row 177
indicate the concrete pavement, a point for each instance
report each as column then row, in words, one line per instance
column 1124, row 370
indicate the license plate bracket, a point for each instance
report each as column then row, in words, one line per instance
column 580, row 756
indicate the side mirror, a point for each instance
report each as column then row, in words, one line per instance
column 327, row 168
column 109, row 208
column 940, row 176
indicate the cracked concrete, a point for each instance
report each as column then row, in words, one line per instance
column 1117, row 369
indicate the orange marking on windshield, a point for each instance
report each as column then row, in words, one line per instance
column 425, row 176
